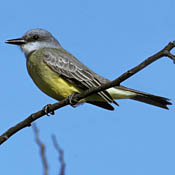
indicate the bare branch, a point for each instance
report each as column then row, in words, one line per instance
column 42, row 149
column 61, row 155
column 27, row 122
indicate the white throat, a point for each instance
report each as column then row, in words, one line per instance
column 32, row 46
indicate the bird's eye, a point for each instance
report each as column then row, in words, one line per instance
column 35, row 37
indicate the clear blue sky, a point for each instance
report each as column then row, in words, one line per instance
column 110, row 37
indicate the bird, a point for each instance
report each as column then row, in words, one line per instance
column 59, row 74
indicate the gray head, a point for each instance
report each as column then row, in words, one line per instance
column 35, row 39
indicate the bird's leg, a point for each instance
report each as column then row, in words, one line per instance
column 73, row 101
column 47, row 111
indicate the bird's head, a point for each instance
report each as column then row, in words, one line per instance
column 35, row 39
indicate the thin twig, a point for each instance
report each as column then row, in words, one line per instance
column 42, row 149
column 27, row 122
column 61, row 155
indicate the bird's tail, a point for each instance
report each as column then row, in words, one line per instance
column 121, row 92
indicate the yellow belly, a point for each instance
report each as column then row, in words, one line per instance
column 49, row 81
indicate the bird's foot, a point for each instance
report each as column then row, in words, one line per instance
column 73, row 102
column 47, row 111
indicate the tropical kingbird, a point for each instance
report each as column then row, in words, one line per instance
column 59, row 74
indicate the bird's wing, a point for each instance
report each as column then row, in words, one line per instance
column 72, row 70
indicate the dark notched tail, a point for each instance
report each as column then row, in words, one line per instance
column 158, row 101
column 153, row 100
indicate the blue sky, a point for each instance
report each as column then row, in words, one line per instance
column 110, row 37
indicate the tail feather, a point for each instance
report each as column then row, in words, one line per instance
column 159, row 101
column 153, row 100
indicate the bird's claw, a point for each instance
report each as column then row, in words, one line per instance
column 73, row 102
column 47, row 111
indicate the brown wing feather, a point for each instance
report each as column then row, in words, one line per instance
column 72, row 70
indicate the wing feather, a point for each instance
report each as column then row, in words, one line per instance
column 69, row 67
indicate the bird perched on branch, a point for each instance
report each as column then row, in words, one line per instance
column 59, row 74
